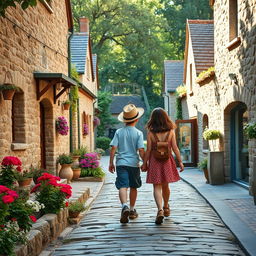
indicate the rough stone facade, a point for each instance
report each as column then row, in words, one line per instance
column 234, row 82
column 32, row 40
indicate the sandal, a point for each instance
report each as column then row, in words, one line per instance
column 167, row 211
column 159, row 217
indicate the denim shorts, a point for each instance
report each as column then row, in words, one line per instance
column 128, row 177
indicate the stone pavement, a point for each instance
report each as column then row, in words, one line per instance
column 192, row 229
column 233, row 204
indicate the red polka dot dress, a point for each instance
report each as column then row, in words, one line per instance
column 162, row 171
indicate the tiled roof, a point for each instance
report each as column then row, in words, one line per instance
column 202, row 37
column 119, row 101
column 173, row 74
column 79, row 44
column 94, row 64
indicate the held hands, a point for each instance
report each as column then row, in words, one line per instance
column 111, row 168
column 144, row 167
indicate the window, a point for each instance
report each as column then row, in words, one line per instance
column 18, row 118
column 205, row 124
column 233, row 20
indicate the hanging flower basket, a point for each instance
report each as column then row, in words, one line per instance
column 66, row 105
column 85, row 129
column 62, row 125
column 96, row 121
column 8, row 91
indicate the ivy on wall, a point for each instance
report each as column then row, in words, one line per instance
column 180, row 92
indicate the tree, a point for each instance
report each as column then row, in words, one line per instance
column 106, row 120
column 4, row 4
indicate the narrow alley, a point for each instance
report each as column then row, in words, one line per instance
column 192, row 229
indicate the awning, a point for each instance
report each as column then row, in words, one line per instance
column 52, row 80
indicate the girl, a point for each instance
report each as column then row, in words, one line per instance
column 160, row 173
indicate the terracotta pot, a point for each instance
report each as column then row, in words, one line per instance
column 76, row 173
column 8, row 94
column 73, row 214
column 75, row 161
column 206, row 175
column 24, row 183
column 66, row 172
column 66, row 106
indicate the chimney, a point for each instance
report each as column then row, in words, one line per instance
column 84, row 25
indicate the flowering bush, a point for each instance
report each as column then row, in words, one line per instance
column 90, row 160
column 35, row 205
column 23, row 174
column 62, row 125
column 85, row 129
column 211, row 134
column 96, row 121
column 250, row 130
column 10, row 235
column 50, row 193
column 7, row 175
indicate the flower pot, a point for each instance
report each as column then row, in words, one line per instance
column 75, row 160
column 73, row 214
column 76, row 173
column 25, row 183
column 66, row 106
column 8, row 94
column 206, row 175
column 66, row 172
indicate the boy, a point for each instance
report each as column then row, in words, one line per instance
column 128, row 140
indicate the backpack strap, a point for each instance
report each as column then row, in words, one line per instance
column 167, row 136
column 155, row 136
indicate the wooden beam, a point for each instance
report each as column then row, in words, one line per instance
column 60, row 93
column 46, row 88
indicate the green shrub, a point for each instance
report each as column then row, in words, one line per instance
column 103, row 142
column 203, row 164
column 65, row 159
column 92, row 172
column 250, row 130
column 211, row 134
column 76, row 207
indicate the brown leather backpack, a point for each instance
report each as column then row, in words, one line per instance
column 161, row 150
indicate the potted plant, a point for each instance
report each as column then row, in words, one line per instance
column 24, row 177
column 66, row 104
column 66, row 171
column 85, row 129
column 75, row 208
column 62, row 125
column 38, row 172
column 202, row 165
column 8, row 90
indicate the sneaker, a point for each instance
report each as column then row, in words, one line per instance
column 159, row 217
column 133, row 214
column 125, row 215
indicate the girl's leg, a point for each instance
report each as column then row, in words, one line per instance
column 158, row 196
column 166, row 194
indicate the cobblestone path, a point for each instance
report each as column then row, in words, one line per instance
column 192, row 229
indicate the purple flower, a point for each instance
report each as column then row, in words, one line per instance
column 96, row 121
column 85, row 129
column 62, row 125
column 90, row 160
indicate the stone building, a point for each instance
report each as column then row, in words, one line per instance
column 224, row 98
column 34, row 56
column 86, row 66
column 173, row 77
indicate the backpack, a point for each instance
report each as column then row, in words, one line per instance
column 162, row 151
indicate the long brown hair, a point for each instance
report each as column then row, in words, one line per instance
column 159, row 121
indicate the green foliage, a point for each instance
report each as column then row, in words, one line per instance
column 202, row 165
column 7, row 176
column 76, row 207
column 74, row 96
column 38, row 172
column 4, row 87
column 24, row 4
column 65, row 159
column 103, row 142
column 80, row 152
column 24, row 175
column 211, row 134
column 181, row 90
column 178, row 109
column 92, row 172
column 250, row 130
column 106, row 120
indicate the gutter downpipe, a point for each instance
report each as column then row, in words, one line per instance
column 69, row 74
column 78, row 123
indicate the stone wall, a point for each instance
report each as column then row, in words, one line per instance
column 43, row 48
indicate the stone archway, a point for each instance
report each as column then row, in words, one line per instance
column 47, row 128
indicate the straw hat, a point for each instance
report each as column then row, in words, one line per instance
column 130, row 113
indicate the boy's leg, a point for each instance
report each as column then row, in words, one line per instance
column 123, row 195
column 133, row 197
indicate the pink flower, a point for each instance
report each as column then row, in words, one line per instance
column 3, row 189
column 34, row 189
column 7, row 199
column 13, row 219
column 11, row 160
column 12, row 193
column 47, row 176
column 18, row 169
column 33, row 218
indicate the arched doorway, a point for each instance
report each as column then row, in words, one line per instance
column 239, row 144
column 46, row 135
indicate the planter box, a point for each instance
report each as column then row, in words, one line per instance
column 216, row 167
column 92, row 179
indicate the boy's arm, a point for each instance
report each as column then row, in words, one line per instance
column 142, row 153
column 111, row 167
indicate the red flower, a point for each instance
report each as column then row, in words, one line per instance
column 11, row 160
column 13, row 219
column 48, row 176
column 33, row 218
column 7, row 199
column 12, row 193
column 34, row 189
column 3, row 189
column 53, row 182
column 66, row 204
column 66, row 191
column 18, row 169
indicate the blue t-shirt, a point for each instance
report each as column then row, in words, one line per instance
column 128, row 140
